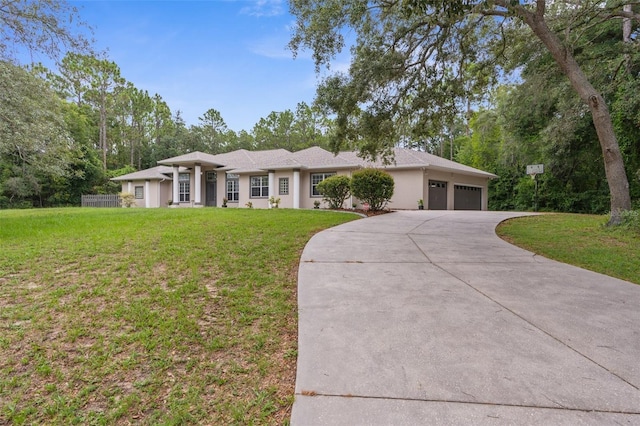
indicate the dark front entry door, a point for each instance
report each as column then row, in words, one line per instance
column 210, row 185
column 437, row 195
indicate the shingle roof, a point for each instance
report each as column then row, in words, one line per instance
column 154, row 173
column 408, row 158
column 243, row 159
column 314, row 158
column 318, row 158
column 192, row 157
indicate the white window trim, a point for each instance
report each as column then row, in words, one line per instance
column 263, row 179
column 236, row 187
column 325, row 175
column 184, row 187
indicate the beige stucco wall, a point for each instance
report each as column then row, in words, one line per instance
column 286, row 201
column 306, row 200
column 159, row 192
column 245, row 193
column 408, row 189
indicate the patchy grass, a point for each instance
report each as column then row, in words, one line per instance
column 580, row 240
column 150, row 316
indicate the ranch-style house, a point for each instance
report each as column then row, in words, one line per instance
column 241, row 177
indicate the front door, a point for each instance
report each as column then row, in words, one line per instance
column 437, row 195
column 210, row 185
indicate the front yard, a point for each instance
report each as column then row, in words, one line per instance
column 150, row 316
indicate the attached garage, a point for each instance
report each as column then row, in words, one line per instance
column 467, row 197
column 437, row 195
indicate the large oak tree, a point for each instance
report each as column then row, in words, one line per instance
column 417, row 62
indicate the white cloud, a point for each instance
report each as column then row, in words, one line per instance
column 264, row 8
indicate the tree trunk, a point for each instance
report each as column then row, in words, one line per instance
column 626, row 24
column 613, row 162
column 626, row 35
column 103, row 134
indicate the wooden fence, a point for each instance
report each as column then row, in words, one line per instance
column 101, row 200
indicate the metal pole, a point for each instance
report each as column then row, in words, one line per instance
column 535, row 199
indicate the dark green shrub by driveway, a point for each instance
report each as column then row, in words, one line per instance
column 335, row 190
column 372, row 186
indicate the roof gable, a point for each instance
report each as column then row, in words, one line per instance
column 154, row 173
column 191, row 158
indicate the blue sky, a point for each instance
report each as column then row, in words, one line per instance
column 227, row 55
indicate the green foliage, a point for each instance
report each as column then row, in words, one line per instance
column 631, row 221
column 372, row 186
column 335, row 190
column 291, row 130
column 417, row 63
column 34, row 144
column 45, row 26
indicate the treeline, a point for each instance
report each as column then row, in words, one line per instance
column 66, row 133
column 541, row 120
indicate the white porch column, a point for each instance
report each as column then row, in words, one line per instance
column 198, row 181
column 272, row 185
column 176, row 186
column 147, row 193
column 296, row 189
column 129, row 187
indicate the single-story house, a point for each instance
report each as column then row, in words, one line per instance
column 241, row 177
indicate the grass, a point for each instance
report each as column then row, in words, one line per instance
column 150, row 316
column 580, row 240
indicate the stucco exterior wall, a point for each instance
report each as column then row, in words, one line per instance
column 306, row 200
column 164, row 190
column 286, row 201
column 408, row 189
column 158, row 193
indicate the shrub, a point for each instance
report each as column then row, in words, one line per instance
column 335, row 190
column 631, row 220
column 372, row 186
column 128, row 199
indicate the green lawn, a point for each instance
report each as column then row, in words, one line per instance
column 150, row 316
column 580, row 240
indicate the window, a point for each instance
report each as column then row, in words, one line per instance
column 233, row 188
column 139, row 192
column 184, row 187
column 283, row 185
column 316, row 178
column 259, row 186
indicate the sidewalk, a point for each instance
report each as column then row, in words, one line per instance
column 427, row 317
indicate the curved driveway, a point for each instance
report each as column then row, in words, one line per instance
column 426, row 317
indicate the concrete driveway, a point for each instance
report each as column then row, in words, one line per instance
column 427, row 317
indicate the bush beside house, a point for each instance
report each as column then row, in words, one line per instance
column 335, row 190
column 372, row 186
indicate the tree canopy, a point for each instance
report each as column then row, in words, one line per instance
column 416, row 64
column 49, row 27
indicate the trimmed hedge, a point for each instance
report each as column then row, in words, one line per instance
column 372, row 186
column 335, row 190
